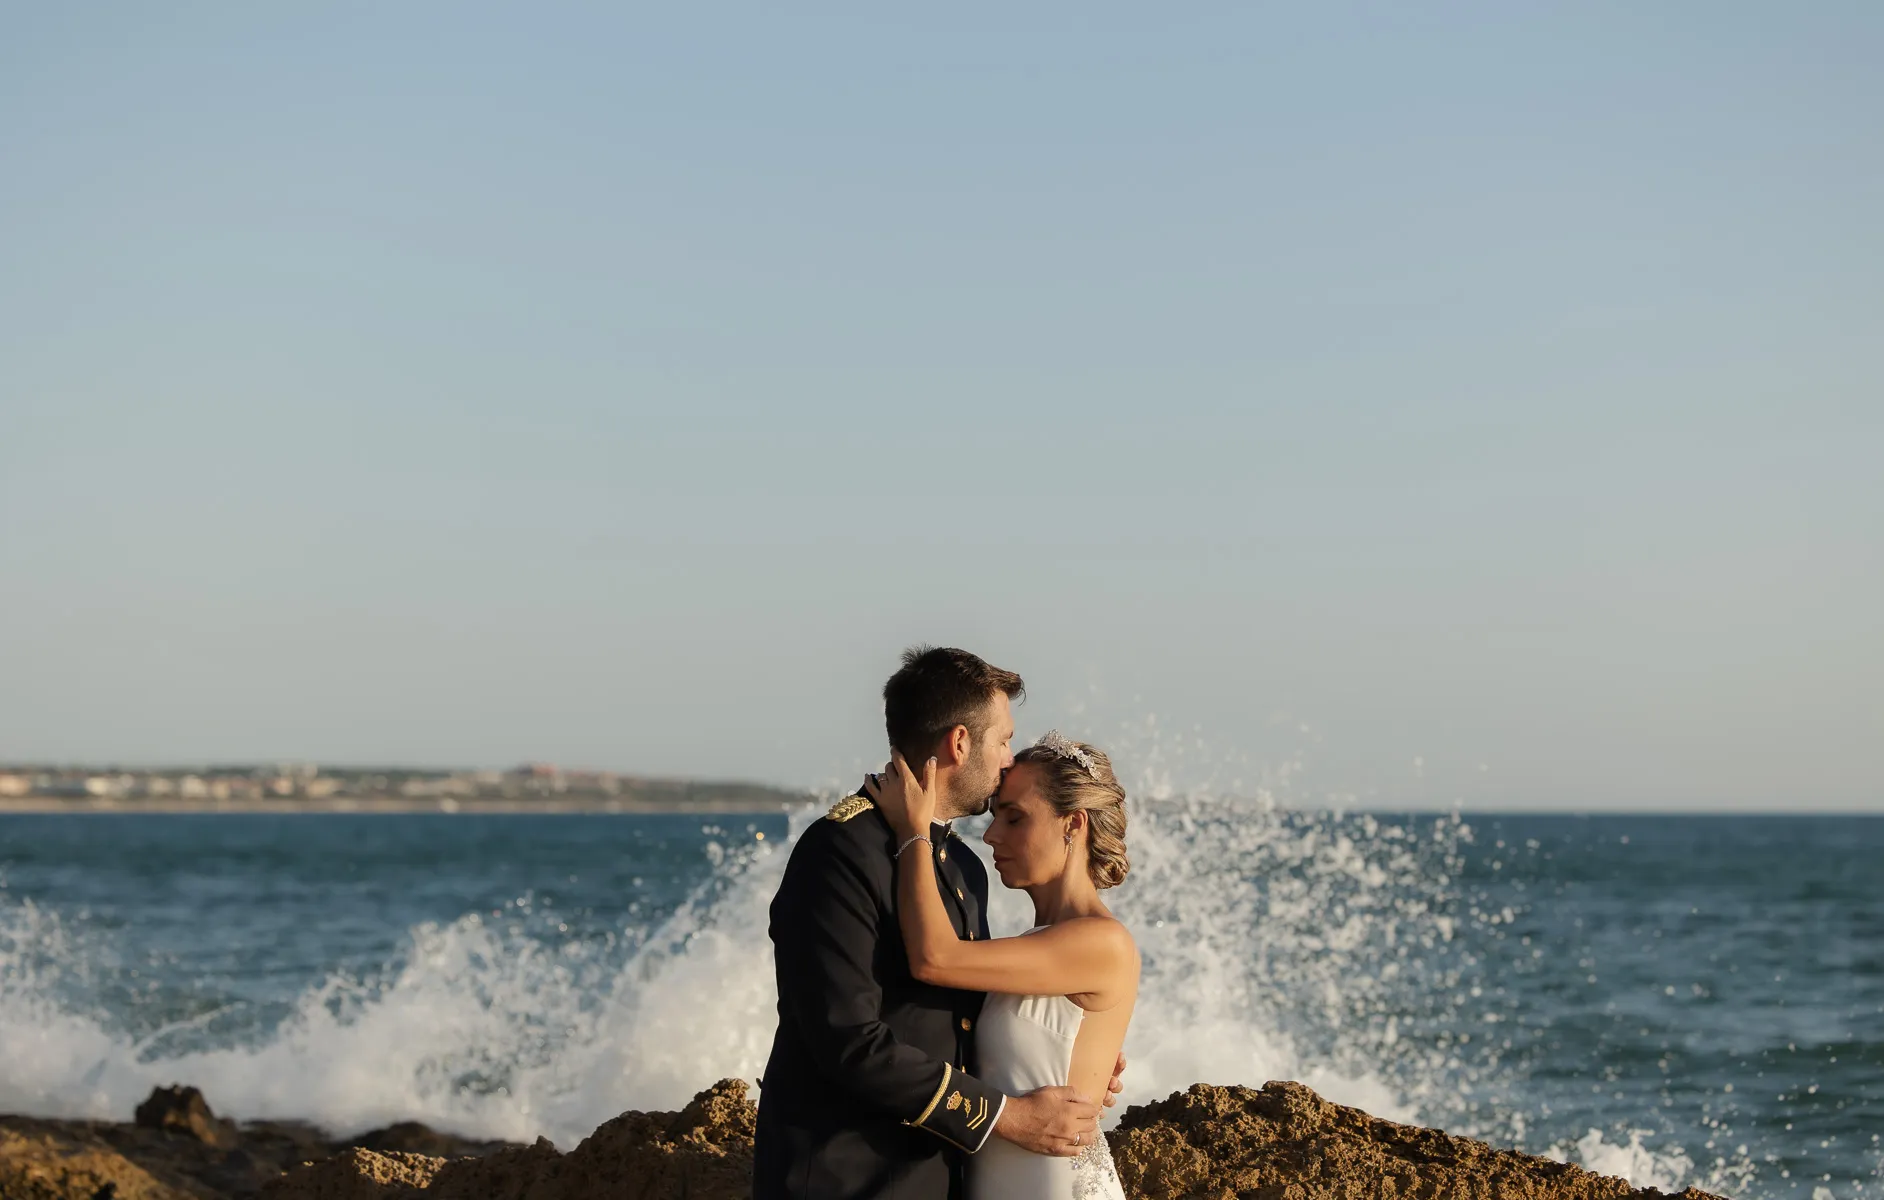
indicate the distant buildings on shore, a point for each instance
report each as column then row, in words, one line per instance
column 289, row 783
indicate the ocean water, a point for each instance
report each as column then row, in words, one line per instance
column 1680, row 1000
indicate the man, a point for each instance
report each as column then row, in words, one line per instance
column 869, row 1091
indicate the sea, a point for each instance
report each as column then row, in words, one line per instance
column 1675, row 999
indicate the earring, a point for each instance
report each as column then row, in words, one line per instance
column 1069, row 839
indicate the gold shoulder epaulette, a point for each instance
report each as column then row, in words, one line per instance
column 848, row 807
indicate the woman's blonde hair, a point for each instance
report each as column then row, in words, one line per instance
column 1076, row 777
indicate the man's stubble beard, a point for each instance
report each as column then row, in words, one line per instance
column 972, row 797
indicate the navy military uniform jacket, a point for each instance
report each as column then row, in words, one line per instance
column 868, row 1091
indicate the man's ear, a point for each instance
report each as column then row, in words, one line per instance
column 955, row 747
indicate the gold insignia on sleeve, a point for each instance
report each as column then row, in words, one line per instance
column 848, row 807
column 955, row 1101
column 981, row 1113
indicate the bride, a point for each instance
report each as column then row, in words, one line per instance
column 1061, row 994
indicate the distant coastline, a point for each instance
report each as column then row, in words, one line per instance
column 702, row 798
column 305, row 788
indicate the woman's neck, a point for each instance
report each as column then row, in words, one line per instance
column 1071, row 895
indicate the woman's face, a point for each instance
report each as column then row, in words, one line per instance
column 1027, row 837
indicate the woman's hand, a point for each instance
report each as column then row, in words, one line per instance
column 908, row 803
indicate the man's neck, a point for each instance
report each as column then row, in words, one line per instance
column 946, row 812
column 948, row 807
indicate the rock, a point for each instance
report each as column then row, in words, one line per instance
column 1287, row 1143
column 411, row 1137
column 703, row 1152
column 357, row 1174
column 45, row 1161
column 183, row 1110
column 263, row 1150
column 406, row 1137
column 1283, row 1142
column 519, row 1173
column 176, row 1147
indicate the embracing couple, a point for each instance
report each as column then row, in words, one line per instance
column 915, row 1055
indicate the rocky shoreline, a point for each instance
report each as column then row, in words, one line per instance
column 1282, row 1142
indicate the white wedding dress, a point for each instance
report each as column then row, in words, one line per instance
column 1023, row 1043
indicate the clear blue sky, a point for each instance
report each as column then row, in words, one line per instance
column 1460, row 402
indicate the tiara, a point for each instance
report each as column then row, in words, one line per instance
column 1057, row 743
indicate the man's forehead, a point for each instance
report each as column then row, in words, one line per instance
column 1004, row 710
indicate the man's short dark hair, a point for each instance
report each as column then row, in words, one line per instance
column 937, row 689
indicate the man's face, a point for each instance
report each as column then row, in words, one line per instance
column 979, row 778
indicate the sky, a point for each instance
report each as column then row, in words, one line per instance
column 1379, row 404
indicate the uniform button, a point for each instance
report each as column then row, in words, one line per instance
column 958, row 894
column 943, row 855
column 971, row 935
column 966, row 1024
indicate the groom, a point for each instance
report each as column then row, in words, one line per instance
column 868, row 1092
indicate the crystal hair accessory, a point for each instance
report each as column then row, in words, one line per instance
column 1055, row 742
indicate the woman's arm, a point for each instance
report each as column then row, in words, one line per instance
column 1081, row 956
column 1086, row 955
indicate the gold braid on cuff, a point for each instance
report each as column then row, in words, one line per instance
column 947, row 1073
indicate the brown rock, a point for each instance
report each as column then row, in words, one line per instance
column 412, row 1137
column 177, row 1147
column 1209, row 1143
column 43, row 1161
column 356, row 1174
column 703, row 1152
column 1287, row 1143
column 264, row 1149
column 183, row 1110
column 519, row 1173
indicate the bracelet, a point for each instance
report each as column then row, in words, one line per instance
column 912, row 841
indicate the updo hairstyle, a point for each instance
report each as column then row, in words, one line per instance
column 1069, row 788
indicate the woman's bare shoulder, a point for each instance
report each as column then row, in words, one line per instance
column 1105, row 935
